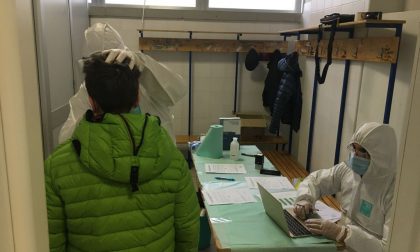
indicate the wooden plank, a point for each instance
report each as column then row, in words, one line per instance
column 264, row 140
column 384, row 50
column 279, row 160
column 359, row 23
column 184, row 139
column 210, row 45
column 210, row 32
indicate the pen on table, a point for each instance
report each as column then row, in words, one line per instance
column 223, row 178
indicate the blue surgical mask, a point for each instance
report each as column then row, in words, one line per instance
column 358, row 164
column 136, row 110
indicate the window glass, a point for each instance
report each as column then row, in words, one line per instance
column 170, row 3
column 253, row 4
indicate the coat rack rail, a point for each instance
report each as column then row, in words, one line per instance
column 346, row 26
column 210, row 32
column 382, row 50
column 210, row 45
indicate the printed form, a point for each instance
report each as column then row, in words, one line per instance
column 278, row 183
column 228, row 196
column 225, row 168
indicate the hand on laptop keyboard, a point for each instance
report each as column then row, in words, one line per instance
column 326, row 228
column 303, row 209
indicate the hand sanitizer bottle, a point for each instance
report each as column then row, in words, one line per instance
column 234, row 149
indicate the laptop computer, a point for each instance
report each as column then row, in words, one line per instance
column 284, row 218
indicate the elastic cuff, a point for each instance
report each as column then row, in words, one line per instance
column 340, row 235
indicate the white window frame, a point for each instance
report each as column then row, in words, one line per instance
column 298, row 8
column 201, row 5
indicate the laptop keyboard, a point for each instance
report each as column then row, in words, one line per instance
column 295, row 227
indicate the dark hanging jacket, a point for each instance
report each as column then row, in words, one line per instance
column 272, row 81
column 287, row 106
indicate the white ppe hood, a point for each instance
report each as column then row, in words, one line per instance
column 160, row 88
column 376, row 187
column 365, row 201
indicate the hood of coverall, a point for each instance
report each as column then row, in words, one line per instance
column 101, row 37
column 380, row 142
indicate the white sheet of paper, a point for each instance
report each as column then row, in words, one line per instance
column 228, row 196
column 225, row 168
column 327, row 212
column 278, row 183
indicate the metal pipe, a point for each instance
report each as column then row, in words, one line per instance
column 391, row 80
column 342, row 107
column 311, row 124
column 189, row 88
column 236, row 78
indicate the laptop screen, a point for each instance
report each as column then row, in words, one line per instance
column 273, row 208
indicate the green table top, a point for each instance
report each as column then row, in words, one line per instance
column 246, row 227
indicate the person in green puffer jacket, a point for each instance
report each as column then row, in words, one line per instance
column 119, row 184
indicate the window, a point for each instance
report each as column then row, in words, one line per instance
column 289, row 10
column 287, row 5
column 167, row 3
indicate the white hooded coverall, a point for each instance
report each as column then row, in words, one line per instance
column 160, row 88
column 365, row 201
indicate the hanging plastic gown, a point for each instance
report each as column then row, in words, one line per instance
column 160, row 88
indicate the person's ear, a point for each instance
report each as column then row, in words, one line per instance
column 95, row 106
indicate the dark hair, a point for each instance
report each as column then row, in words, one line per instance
column 113, row 86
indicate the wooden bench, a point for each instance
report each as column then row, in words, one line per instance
column 184, row 139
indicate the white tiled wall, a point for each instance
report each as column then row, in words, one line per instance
column 316, row 9
column 329, row 94
column 366, row 91
column 213, row 74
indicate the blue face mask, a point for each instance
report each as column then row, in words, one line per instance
column 136, row 110
column 358, row 164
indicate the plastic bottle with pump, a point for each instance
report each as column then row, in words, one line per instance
column 234, row 149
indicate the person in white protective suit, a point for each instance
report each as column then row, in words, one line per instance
column 160, row 88
column 363, row 185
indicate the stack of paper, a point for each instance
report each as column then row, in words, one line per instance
column 228, row 196
column 275, row 183
column 225, row 168
column 327, row 212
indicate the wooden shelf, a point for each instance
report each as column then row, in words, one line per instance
column 211, row 32
column 361, row 23
column 210, row 45
column 382, row 50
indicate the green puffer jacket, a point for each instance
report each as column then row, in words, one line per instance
column 91, row 206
